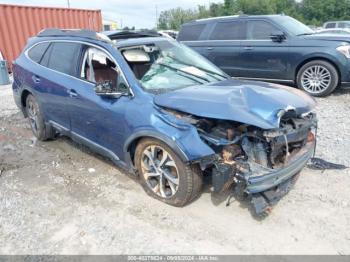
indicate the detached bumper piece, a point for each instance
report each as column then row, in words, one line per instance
column 263, row 202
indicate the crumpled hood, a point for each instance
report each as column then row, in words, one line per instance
column 253, row 103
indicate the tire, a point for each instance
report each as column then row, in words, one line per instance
column 188, row 178
column 40, row 130
column 318, row 78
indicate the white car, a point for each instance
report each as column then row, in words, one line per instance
column 342, row 31
column 337, row 24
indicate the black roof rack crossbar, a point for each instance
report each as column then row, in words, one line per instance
column 68, row 32
column 125, row 34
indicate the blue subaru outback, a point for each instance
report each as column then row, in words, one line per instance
column 166, row 114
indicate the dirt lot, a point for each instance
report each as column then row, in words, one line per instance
column 58, row 198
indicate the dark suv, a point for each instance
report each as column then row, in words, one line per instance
column 273, row 48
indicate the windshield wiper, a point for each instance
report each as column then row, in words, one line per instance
column 188, row 73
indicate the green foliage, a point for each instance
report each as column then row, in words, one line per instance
column 314, row 12
column 325, row 10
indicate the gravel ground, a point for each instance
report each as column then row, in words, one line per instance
column 59, row 198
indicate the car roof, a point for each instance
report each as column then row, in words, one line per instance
column 81, row 33
column 91, row 37
column 338, row 21
column 223, row 18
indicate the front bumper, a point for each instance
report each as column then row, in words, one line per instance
column 257, row 184
column 275, row 177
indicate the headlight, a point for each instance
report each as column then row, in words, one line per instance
column 172, row 120
column 345, row 50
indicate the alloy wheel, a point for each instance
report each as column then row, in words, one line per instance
column 160, row 171
column 32, row 115
column 316, row 79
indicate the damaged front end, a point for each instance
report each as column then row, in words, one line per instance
column 260, row 164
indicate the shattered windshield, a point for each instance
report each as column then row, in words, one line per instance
column 167, row 65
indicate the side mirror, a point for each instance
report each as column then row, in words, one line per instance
column 106, row 89
column 277, row 36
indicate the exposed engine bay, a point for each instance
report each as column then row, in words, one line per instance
column 244, row 152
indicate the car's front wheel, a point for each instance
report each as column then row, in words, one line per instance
column 164, row 175
column 318, row 78
column 36, row 120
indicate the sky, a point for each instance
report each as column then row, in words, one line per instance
column 138, row 13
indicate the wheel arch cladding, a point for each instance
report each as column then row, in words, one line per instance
column 24, row 95
column 132, row 141
column 310, row 59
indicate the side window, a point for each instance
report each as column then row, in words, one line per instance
column 330, row 25
column 343, row 25
column 37, row 52
column 227, row 31
column 98, row 67
column 45, row 59
column 191, row 32
column 63, row 57
column 259, row 30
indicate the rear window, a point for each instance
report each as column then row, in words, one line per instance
column 227, row 31
column 63, row 57
column 191, row 32
column 36, row 52
column 330, row 25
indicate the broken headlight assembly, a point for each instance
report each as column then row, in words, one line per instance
column 174, row 119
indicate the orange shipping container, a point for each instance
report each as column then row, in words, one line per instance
column 18, row 23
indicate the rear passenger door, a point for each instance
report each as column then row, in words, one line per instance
column 261, row 57
column 223, row 46
column 55, row 82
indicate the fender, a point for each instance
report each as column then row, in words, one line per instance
column 157, row 135
column 338, row 63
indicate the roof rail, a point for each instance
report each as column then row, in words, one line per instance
column 213, row 18
column 85, row 33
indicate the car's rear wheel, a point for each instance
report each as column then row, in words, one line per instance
column 318, row 78
column 36, row 120
column 164, row 175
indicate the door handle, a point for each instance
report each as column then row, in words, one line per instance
column 36, row 79
column 72, row 93
column 248, row 48
column 210, row 48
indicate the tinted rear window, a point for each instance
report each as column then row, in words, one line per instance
column 36, row 53
column 227, row 31
column 64, row 57
column 191, row 32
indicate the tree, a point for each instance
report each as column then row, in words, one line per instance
column 325, row 10
column 255, row 7
column 174, row 18
column 314, row 12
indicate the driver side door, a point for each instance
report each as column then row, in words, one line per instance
column 96, row 120
column 261, row 57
